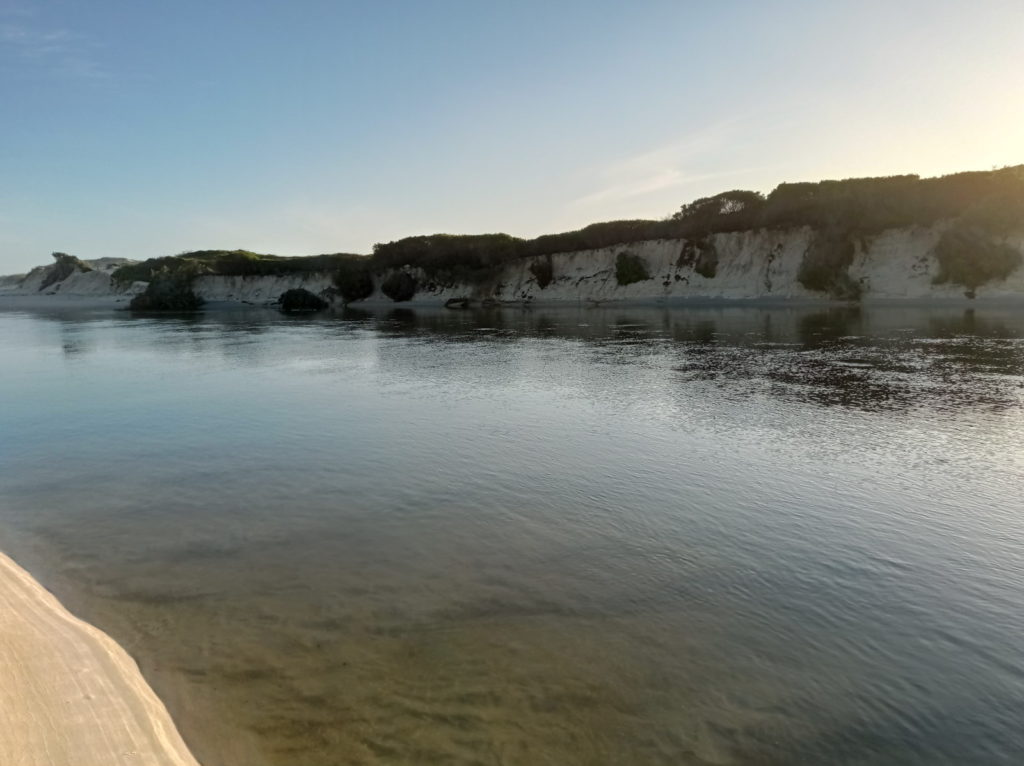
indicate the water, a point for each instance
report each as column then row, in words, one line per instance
column 605, row 536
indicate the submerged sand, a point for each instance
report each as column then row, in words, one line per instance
column 70, row 695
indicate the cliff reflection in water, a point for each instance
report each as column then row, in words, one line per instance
column 886, row 358
column 880, row 358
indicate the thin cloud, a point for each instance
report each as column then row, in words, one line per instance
column 58, row 52
column 15, row 9
column 666, row 167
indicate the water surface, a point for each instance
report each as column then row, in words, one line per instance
column 604, row 536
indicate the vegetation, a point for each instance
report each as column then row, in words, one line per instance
column 299, row 300
column 168, row 290
column 630, row 268
column 65, row 266
column 354, row 279
column 969, row 256
column 707, row 259
column 860, row 205
column 990, row 204
column 543, row 271
column 825, row 265
column 399, row 286
column 449, row 258
column 228, row 263
column 598, row 235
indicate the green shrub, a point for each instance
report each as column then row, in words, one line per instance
column 399, row 286
column 300, row 300
column 65, row 266
column 970, row 257
column 542, row 271
column 354, row 280
column 167, row 292
column 825, row 265
column 630, row 268
column 707, row 259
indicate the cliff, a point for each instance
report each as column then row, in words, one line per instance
column 956, row 237
column 899, row 264
column 896, row 264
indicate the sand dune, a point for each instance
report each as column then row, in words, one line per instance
column 69, row 695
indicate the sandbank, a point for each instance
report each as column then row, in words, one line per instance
column 69, row 694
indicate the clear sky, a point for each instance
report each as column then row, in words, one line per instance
column 138, row 129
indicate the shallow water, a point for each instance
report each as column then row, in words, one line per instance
column 604, row 536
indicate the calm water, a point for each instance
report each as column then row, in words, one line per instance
column 606, row 536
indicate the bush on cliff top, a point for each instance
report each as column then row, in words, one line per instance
column 861, row 205
column 449, row 258
column 228, row 263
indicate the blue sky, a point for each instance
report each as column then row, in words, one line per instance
column 139, row 129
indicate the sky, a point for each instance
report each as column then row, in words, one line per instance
column 138, row 129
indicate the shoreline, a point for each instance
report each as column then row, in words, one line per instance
column 119, row 304
column 70, row 694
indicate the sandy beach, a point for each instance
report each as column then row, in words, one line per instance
column 70, row 695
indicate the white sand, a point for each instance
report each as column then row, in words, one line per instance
column 69, row 695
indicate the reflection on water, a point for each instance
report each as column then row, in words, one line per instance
column 594, row 536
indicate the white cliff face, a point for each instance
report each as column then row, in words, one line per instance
column 895, row 265
column 747, row 265
column 260, row 290
column 899, row 264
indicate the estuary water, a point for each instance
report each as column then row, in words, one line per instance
column 712, row 535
